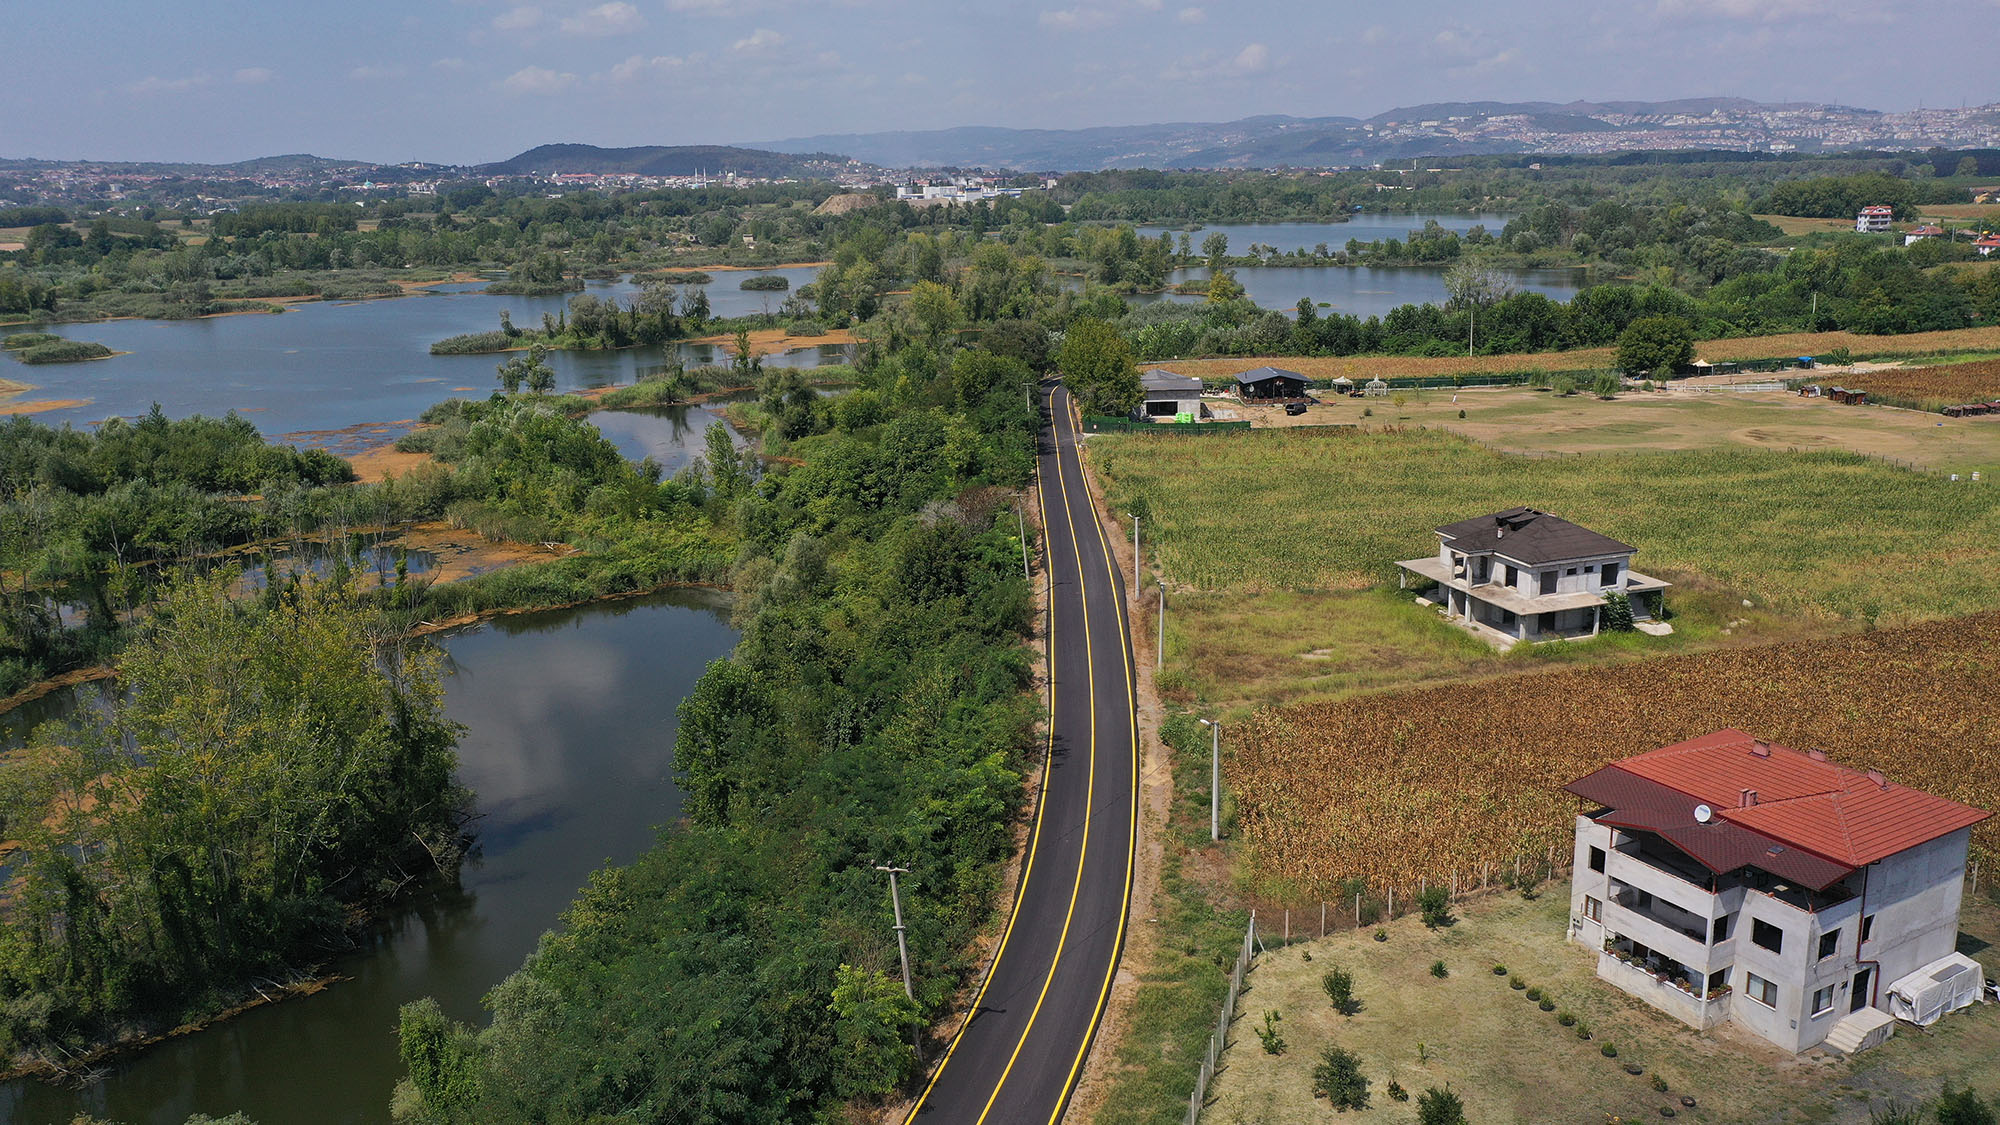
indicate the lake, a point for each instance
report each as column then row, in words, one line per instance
column 324, row 365
column 1367, row 226
column 570, row 719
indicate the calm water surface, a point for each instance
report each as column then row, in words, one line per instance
column 571, row 721
column 327, row 365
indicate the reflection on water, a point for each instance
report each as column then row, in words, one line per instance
column 328, row 365
column 671, row 435
column 570, row 720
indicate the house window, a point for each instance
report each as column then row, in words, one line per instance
column 1828, row 944
column 1597, row 859
column 1767, row 935
column 1823, row 1001
column 1721, row 930
column 1571, row 570
column 1547, row 622
column 1593, row 909
column 1611, row 574
column 1761, row 990
column 1868, row 928
column 1507, row 617
column 1513, row 575
column 1591, row 569
column 1548, row 582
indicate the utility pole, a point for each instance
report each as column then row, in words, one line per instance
column 1135, row 553
column 903, row 949
column 1471, row 320
column 1214, row 779
column 902, row 943
column 1021, row 522
column 1160, row 642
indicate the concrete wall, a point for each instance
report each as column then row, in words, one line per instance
column 1914, row 898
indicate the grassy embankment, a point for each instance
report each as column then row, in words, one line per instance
column 1511, row 1061
column 1278, row 548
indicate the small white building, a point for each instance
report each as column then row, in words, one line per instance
column 1917, row 234
column 1525, row 575
column 1873, row 219
column 1727, row 878
column 1170, row 396
column 1987, row 245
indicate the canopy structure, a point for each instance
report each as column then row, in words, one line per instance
column 1936, row 990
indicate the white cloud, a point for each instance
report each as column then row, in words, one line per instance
column 700, row 5
column 762, row 39
column 1191, row 15
column 452, row 63
column 518, row 19
column 1251, row 59
column 1075, row 19
column 1765, row 11
column 638, row 66
column 253, row 75
column 537, row 80
column 1376, row 35
column 154, row 84
column 371, row 72
column 616, row 18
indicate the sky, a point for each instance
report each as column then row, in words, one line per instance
column 468, row 81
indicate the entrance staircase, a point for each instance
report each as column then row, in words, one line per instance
column 1860, row 1030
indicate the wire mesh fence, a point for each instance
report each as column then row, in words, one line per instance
column 1219, row 1038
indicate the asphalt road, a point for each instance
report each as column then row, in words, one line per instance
column 1018, row 1055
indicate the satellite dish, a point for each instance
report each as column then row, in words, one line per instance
column 1703, row 814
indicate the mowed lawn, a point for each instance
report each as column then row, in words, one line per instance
column 1513, row 1062
column 1826, row 536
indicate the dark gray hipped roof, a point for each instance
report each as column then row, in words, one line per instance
column 1160, row 379
column 1532, row 537
column 1259, row 374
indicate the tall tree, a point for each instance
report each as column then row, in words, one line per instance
column 1096, row 365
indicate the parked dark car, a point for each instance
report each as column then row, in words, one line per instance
column 1295, row 408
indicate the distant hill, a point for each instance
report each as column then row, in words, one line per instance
column 666, row 160
column 1439, row 129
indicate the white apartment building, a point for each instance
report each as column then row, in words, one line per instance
column 1730, row 878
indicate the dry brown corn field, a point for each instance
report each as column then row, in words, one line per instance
column 1442, row 784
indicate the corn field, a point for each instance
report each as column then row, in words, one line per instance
column 1442, row 784
column 1928, row 388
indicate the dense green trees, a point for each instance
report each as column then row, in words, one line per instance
column 1655, row 345
column 263, row 772
column 1096, row 366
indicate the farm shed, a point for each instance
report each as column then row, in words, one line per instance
column 1271, row 383
column 1169, row 396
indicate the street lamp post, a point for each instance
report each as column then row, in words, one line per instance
column 1214, row 779
column 903, row 950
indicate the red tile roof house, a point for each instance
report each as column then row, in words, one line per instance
column 1524, row 575
column 1730, row 878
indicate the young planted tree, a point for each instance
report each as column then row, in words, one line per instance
column 1339, row 1080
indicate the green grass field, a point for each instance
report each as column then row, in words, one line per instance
column 1512, row 1062
column 1834, row 537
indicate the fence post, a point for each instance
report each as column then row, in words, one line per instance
column 1392, row 903
column 1322, row 909
column 1454, row 884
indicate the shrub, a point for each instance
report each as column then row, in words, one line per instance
column 1368, row 412
column 1567, row 1019
column 764, row 282
column 1381, row 935
column 62, row 351
column 1582, row 1030
column 1516, row 983
column 1617, row 613
column 804, row 328
column 1439, row 971
column 1440, row 1107
column 1396, row 1091
column 1608, row 1051
column 1607, row 385
column 1461, row 415
column 1499, row 970
column 1565, row 385
column 1547, row 1005
column 1435, row 903
column 1274, row 1043
column 1962, row 1107
column 1659, row 1084
column 18, row 340
column 473, row 343
column 1339, row 986
column 1534, row 994
column 1338, row 1079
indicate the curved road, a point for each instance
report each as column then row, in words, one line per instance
column 1017, row 1056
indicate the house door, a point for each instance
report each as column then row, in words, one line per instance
column 1860, row 998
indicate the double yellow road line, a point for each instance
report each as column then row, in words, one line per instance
column 1090, row 787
